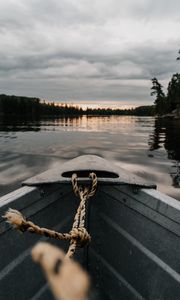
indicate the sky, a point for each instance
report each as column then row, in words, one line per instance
column 99, row 52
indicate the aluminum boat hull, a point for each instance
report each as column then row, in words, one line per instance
column 135, row 247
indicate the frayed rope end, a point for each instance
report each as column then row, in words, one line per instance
column 14, row 218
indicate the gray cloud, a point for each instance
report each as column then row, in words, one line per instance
column 87, row 50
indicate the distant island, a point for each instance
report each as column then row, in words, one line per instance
column 28, row 107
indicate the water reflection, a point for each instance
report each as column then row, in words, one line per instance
column 167, row 134
column 50, row 124
column 8, row 124
column 81, row 123
column 29, row 147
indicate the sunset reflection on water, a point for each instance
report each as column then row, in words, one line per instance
column 142, row 145
column 91, row 123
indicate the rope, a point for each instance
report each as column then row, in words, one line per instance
column 78, row 237
column 18, row 221
column 79, row 220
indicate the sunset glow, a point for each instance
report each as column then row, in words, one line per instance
column 106, row 104
column 95, row 105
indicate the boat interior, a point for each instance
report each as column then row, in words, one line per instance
column 133, row 254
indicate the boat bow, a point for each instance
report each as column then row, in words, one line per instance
column 107, row 173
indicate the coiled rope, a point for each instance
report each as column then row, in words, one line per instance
column 78, row 237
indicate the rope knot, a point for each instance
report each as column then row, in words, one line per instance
column 81, row 236
column 84, row 191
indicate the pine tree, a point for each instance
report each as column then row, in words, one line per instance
column 173, row 95
column 160, row 101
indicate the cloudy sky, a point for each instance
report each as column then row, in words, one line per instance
column 99, row 51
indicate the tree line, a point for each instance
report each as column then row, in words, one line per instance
column 33, row 107
column 169, row 102
column 146, row 110
column 18, row 106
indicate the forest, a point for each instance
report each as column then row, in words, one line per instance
column 168, row 102
column 26, row 107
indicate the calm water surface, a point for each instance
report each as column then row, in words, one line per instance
column 145, row 146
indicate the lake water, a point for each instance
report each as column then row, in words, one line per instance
column 145, row 146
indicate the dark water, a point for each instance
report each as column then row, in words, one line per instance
column 146, row 146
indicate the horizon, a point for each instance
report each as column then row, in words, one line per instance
column 89, row 104
column 102, row 105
